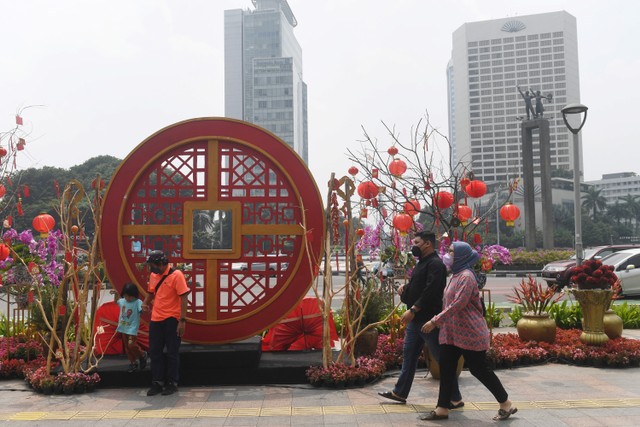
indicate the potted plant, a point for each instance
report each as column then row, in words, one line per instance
column 593, row 281
column 535, row 324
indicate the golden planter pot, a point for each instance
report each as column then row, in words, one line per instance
column 537, row 327
column 593, row 302
column 612, row 324
column 434, row 366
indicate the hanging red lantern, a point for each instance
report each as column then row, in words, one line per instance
column 4, row 251
column 464, row 182
column 353, row 170
column 43, row 223
column 3, row 151
column 364, row 213
column 464, row 213
column 510, row 212
column 97, row 182
column 360, row 232
column 3, row 190
column 403, row 222
column 26, row 191
column 476, row 188
column 397, row 167
column 392, row 150
column 443, row 199
column 20, row 145
column 367, row 190
column 374, row 173
column 412, row 207
column 477, row 238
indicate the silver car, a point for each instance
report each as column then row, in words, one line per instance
column 627, row 267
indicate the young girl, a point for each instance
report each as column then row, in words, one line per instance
column 130, row 309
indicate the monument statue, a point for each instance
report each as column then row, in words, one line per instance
column 539, row 106
column 527, row 96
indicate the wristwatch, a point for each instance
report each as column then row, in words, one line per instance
column 413, row 310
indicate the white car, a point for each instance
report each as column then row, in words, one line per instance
column 627, row 267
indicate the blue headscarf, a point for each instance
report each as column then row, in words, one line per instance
column 464, row 258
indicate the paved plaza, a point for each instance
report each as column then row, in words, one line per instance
column 546, row 395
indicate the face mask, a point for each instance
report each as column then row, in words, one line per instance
column 416, row 252
column 447, row 259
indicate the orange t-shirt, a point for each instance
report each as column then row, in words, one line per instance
column 166, row 303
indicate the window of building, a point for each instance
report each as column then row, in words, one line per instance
column 558, row 41
column 521, row 39
column 558, row 49
column 521, row 52
column 533, row 52
column 484, row 42
column 497, row 62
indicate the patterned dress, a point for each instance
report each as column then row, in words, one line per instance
column 461, row 322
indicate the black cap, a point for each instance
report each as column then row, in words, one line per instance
column 157, row 257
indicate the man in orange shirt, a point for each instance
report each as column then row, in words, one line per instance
column 168, row 290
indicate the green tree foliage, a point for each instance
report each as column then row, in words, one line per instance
column 42, row 188
column 593, row 201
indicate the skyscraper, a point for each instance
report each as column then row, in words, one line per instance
column 263, row 71
column 489, row 60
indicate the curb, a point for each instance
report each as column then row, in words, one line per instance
column 523, row 273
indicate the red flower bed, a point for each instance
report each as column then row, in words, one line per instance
column 509, row 350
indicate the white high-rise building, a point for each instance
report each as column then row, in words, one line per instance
column 489, row 60
column 263, row 71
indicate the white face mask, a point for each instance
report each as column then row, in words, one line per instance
column 447, row 259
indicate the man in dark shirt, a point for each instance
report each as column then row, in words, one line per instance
column 423, row 297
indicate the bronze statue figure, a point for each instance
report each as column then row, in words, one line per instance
column 527, row 96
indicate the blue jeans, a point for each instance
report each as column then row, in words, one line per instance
column 164, row 334
column 414, row 341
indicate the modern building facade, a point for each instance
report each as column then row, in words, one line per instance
column 616, row 186
column 263, row 71
column 489, row 60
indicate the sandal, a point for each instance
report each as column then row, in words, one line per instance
column 392, row 396
column 503, row 415
column 431, row 416
column 456, row 405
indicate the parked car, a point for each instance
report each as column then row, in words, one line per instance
column 556, row 273
column 256, row 266
column 627, row 268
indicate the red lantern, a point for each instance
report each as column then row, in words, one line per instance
column 397, row 167
column 392, row 150
column 353, row 170
column 443, row 199
column 464, row 182
column 43, row 223
column 510, row 212
column 476, row 188
column 403, row 222
column 3, row 151
column 360, row 232
column 4, row 251
column 3, row 190
column 464, row 213
column 97, row 182
column 412, row 207
column 367, row 190
column 477, row 238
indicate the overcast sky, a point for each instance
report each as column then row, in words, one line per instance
column 107, row 74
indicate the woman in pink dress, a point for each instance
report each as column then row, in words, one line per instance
column 464, row 332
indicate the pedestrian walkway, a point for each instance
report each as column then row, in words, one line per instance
column 546, row 395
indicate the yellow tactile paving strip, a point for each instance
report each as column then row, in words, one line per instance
column 307, row 411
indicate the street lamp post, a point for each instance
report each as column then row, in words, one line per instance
column 575, row 110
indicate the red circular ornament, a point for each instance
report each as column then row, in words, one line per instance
column 43, row 223
column 3, row 151
column 96, row 182
column 3, row 190
column 476, row 188
column 464, row 213
column 402, row 222
column 367, row 190
column 397, row 167
column 353, row 170
column 443, row 199
column 412, row 207
column 464, row 182
column 510, row 212
column 477, row 238
column 4, row 251
column 392, row 150
column 360, row 232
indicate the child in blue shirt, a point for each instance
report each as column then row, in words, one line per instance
column 128, row 324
